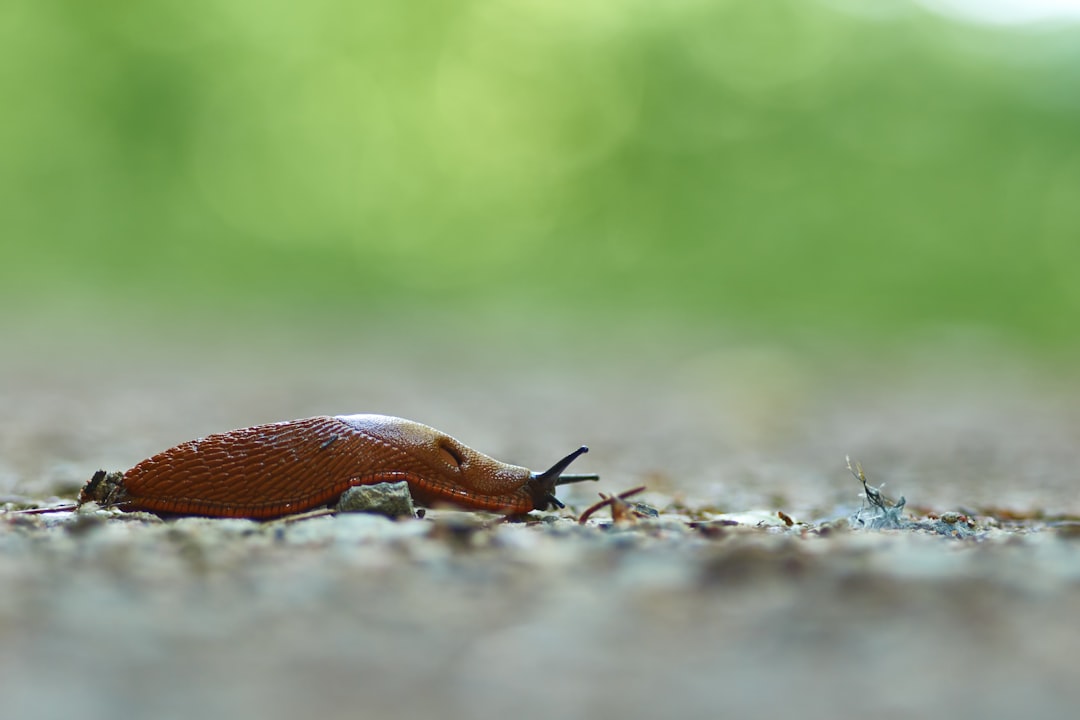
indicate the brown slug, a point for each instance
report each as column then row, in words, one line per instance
column 267, row 471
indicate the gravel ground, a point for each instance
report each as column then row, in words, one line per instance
column 716, row 607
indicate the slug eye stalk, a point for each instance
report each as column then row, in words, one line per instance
column 542, row 485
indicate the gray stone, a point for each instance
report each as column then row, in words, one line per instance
column 389, row 499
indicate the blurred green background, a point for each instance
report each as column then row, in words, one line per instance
column 846, row 173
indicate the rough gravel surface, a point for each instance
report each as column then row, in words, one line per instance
column 754, row 592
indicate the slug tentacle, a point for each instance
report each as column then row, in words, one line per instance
column 542, row 485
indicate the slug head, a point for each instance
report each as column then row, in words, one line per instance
column 459, row 473
column 451, row 465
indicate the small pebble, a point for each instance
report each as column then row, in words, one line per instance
column 390, row 499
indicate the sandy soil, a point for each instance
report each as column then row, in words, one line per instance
column 687, row 615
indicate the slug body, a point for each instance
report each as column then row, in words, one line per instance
column 282, row 468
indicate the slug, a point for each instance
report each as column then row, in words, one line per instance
column 267, row 471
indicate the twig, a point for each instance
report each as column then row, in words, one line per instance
column 44, row 510
column 608, row 500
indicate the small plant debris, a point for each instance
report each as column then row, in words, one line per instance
column 621, row 511
column 881, row 512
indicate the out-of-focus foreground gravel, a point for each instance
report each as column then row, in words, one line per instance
column 716, row 608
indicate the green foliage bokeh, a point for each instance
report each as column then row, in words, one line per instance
column 784, row 166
